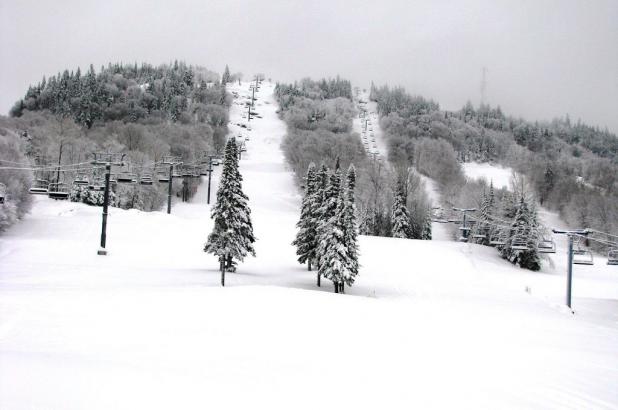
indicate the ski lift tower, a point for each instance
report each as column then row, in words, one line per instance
column 171, row 161
column 109, row 160
column 579, row 233
column 465, row 230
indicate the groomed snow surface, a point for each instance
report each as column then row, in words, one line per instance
column 429, row 324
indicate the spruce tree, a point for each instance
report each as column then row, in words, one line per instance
column 400, row 217
column 484, row 223
column 320, row 194
column 426, row 230
column 306, row 238
column 232, row 236
column 523, row 232
column 328, row 209
column 334, row 255
column 350, row 227
column 226, row 75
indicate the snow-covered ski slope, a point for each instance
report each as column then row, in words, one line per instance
column 376, row 147
column 429, row 324
column 368, row 127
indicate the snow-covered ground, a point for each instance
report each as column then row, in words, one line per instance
column 596, row 285
column 429, row 324
column 500, row 176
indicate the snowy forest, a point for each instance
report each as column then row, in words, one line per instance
column 146, row 112
column 571, row 168
column 319, row 118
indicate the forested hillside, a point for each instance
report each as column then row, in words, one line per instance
column 319, row 118
column 572, row 168
column 144, row 112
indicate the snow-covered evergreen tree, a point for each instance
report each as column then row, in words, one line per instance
column 331, row 199
column 426, row 230
column 226, row 75
column 523, row 233
column 320, row 194
column 350, row 226
column 306, row 238
column 334, row 255
column 232, row 236
column 400, row 217
column 484, row 223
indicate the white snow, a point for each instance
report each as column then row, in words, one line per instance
column 429, row 324
column 500, row 176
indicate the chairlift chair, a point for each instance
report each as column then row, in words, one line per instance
column 80, row 180
column 497, row 239
column 146, row 179
column 546, row 246
column 163, row 176
column 582, row 257
column 186, row 171
column 40, row 187
column 126, row 177
column 465, row 233
column 612, row 257
column 58, row 190
column 2, row 192
column 170, row 160
column 519, row 243
column 97, row 184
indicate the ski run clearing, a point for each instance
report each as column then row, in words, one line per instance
column 428, row 324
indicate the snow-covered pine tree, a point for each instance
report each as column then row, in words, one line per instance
column 328, row 209
column 400, row 217
column 335, row 259
column 320, row 192
column 350, row 227
column 426, row 230
column 226, row 75
column 523, row 232
column 232, row 236
column 484, row 223
column 306, row 238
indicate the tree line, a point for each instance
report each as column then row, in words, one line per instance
column 319, row 117
column 144, row 111
column 572, row 168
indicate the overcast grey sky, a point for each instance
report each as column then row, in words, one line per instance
column 544, row 58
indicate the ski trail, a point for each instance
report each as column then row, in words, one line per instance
column 439, row 231
column 273, row 196
column 368, row 127
column 372, row 137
